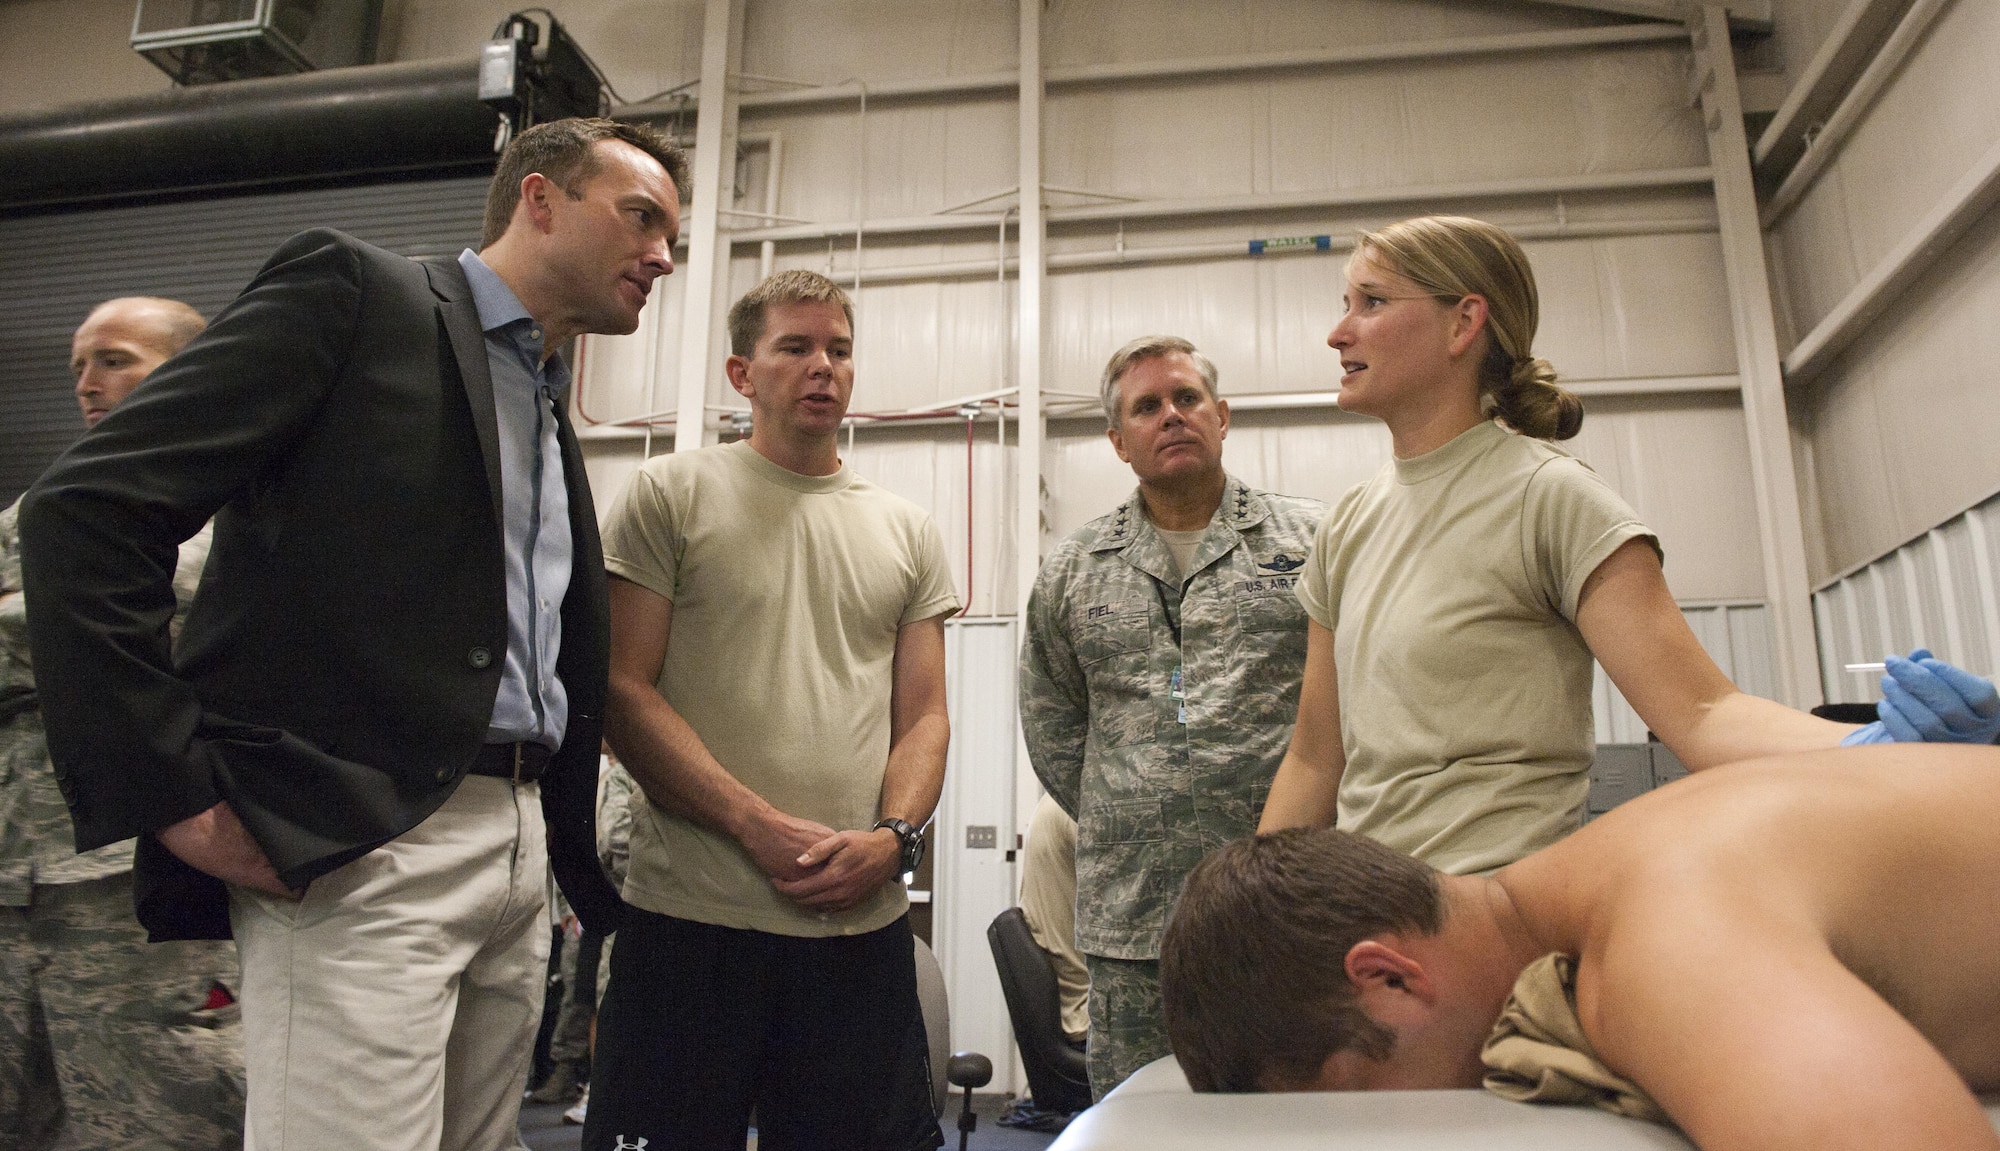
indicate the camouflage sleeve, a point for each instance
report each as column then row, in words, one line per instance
column 1055, row 703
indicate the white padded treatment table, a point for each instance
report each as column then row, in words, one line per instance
column 1155, row 1111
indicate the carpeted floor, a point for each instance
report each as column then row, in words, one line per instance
column 542, row 1129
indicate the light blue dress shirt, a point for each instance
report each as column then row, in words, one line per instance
column 535, row 502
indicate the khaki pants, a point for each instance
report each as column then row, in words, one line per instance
column 394, row 1007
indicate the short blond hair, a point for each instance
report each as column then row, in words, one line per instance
column 746, row 316
column 1150, row 348
column 1452, row 257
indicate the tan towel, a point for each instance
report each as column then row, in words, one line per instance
column 1537, row 1052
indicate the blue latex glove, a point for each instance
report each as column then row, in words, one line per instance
column 1926, row 699
column 1868, row 733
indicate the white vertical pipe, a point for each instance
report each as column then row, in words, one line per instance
column 1780, row 527
column 774, row 173
column 1033, row 426
column 708, row 254
column 1033, row 276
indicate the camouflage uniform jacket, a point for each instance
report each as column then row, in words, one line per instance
column 1152, row 795
column 36, row 841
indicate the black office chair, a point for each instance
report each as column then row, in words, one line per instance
column 1057, row 1077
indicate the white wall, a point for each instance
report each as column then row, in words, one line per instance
column 1620, row 308
column 1940, row 591
column 1898, row 433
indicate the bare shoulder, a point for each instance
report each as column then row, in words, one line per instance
column 1752, row 1034
column 1792, row 953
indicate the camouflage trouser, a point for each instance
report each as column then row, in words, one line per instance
column 1127, row 1030
column 571, row 1041
column 105, row 1039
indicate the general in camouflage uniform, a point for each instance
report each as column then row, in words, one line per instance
column 1158, row 772
column 106, row 1041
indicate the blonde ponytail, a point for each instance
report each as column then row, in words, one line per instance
column 1524, row 394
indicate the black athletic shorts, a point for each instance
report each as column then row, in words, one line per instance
column 822, row 1036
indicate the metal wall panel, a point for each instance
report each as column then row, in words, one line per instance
column 1940, row 591
column 1683, row 463
column 1939, row 114
column 1420, row 123
column 1900, row 428
column 1896, row 431
column 918, row 157
column 1127, row 30
column 831, row 41
column 57, row 267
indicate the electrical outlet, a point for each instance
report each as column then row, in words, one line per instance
column 982, row 835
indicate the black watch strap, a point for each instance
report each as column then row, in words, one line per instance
column 911, row 838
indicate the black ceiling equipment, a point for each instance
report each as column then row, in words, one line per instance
column 528, row 80
column 421, row 119
column 210, row 41
column 343, row 124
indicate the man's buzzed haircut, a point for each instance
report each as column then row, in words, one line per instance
column 1150, row 348
column 1253, row 962
column 562, row 151
column 177, row 322
column 746, row 316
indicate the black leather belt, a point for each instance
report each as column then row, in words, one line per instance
column 520, row 762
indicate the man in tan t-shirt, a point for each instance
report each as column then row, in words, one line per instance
column 777, row 691
column 1048, row 903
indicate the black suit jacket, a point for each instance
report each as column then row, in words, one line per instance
column 336, row 674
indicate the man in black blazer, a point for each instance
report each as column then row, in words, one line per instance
column 393, row 676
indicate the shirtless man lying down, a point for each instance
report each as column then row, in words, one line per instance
column 1789, row 953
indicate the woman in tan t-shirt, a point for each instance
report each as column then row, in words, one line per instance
column 1436, row 342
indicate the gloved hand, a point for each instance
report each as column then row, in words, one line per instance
column 1926, row 699
column 1868, row 733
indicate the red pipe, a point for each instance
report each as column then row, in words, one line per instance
column 967, row 609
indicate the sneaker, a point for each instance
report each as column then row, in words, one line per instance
column 574, row 1115
column 560, row 1087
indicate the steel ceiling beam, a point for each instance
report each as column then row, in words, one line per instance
column 1744, row 16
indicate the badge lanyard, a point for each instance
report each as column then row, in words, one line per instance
column 1176, row 684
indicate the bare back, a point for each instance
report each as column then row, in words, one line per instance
column 1794, row 952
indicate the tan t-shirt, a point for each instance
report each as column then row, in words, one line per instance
column 1182, row 546
column 1450, row 582
column 788, row 591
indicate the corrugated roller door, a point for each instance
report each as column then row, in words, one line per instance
column 55, row 268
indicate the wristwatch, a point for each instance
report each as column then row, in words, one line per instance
column 912, row 839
